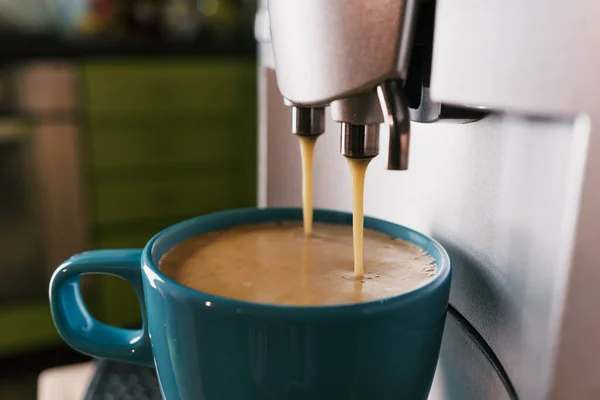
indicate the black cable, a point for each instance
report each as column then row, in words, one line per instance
column 485, row 349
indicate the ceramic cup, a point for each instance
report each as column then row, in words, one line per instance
column 212, row 348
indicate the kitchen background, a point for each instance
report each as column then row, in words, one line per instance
column 117, row 118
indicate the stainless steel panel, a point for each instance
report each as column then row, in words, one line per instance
column 541, row 57
column 328, row 49
column 538, row 56
column 515, row 200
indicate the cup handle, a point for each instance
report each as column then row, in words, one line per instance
column 78, row 327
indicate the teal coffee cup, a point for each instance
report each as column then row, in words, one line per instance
column 206, row 347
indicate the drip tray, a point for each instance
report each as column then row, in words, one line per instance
column 120, row 381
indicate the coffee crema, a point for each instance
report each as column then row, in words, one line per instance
column 275, row 263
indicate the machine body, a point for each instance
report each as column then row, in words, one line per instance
column 514, row 197
column 365, row 46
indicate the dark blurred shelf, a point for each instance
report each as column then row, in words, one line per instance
column 23, row 47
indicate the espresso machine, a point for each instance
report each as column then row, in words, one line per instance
column 482, row 114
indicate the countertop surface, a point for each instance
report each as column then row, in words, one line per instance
column 65, row 383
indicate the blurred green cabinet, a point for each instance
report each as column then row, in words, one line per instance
column 156, row 142
column 130, row 87
column 163, row 140
column 166, row 141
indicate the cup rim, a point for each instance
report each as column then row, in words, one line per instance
column 238, row 217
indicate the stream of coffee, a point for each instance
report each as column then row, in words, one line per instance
column 307, row 148
column 358, row 170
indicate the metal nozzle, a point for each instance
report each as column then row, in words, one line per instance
column 308, row 121
column 395, row 111
column 359, row 141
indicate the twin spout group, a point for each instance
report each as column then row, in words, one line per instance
column 360, row 117
column 350, row 55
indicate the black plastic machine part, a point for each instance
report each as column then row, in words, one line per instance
column 485, row 349
column 421, row 107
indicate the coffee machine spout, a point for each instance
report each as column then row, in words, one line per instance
column 395, row 111
column 308, row 121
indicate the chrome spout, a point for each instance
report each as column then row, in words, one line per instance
column 395, row 111
column 359, row 141
column 308, row 121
